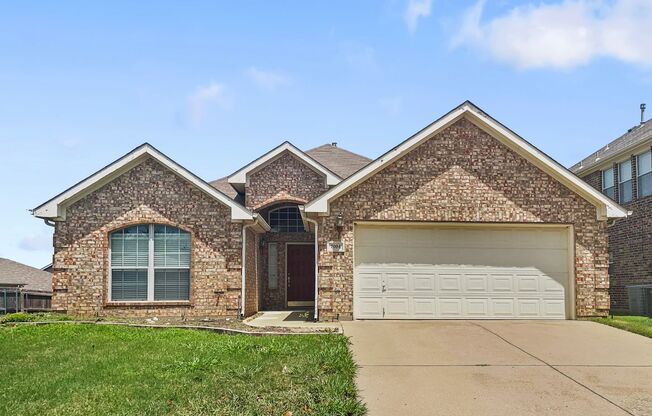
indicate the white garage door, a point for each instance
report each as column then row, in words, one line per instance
column 471, row 272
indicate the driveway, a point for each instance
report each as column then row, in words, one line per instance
column 501, row 368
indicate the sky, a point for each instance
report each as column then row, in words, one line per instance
column 216, row 84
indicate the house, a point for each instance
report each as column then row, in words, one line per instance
column 23, row 288
column 622, row 170
column 464, row 219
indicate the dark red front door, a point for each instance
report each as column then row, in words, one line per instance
column 301, row 273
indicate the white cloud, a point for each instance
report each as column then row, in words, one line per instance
column 416, row 9
column 267, row 79
column 562, row 35
column 203, row 97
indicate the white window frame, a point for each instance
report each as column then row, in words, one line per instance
column 621, row 182
column 151, row 270
column 613, row 182
column 639, row 172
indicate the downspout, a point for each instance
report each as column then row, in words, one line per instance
column 316, row 264
column 48, row 222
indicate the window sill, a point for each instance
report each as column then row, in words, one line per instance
column 146, row 304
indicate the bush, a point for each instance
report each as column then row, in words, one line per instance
column 34, row 317
column 17, row 317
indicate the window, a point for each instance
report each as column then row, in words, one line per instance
column 644, row 178
column 286, row 220
column 150, row 263
column 608, row 183
column 625, row 181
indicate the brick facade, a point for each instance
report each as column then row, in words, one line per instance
column 630, row 244
column 149, row 193
column 463, row 175
column 285, row 179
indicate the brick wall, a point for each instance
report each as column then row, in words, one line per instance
column 630, row 245
column 463, row 174
column 252, row 302
column 285, row 179
column 149, row 193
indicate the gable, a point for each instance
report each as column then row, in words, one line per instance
column 239, row 178
column 55, row 208
column 605, row 206
column 286, row 179
column 462, row 174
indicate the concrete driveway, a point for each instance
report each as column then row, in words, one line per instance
column 501, row 368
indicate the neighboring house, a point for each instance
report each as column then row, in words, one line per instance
column 23, row 288
column 464, row 219
column 622, row 170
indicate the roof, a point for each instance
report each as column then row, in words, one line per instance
column 606, row 207
column 628, row 141
column 14, row 273
column 55, row 208
column 239, row 178
column 340, row 161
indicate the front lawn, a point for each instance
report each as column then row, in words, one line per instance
column 77, row 369
column 637, row 324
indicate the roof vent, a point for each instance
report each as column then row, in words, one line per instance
column 642, row 113
column 334, row 144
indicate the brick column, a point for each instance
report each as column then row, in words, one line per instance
column 634, row 177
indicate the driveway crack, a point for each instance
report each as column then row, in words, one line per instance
column 553, row 368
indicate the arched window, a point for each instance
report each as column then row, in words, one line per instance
column 286, row 220
column 149, row 262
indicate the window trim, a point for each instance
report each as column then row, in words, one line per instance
column 151, row 270
column 639, row 174
column 621, row 182
column 269, row 219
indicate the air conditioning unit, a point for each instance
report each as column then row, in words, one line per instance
column 640, row 300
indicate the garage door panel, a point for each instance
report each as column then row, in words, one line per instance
column 423, row 282
column 476, row 307
column 397, row 307
column 451, row 273
column 369, row 282
column 369, row 307
column 450, row 307
column 425, row 308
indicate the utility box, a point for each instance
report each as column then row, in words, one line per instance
column 640, row 300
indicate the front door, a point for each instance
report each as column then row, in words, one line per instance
column 300, row 274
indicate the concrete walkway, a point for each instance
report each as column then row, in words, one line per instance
column 501, row 368
column 291, row 319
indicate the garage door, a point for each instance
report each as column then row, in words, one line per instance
column 470, row 272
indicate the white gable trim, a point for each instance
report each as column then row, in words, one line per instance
column 239, row 178
column 55, row 208
column 606, row 207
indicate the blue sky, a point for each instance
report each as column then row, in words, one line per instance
column 215, row 84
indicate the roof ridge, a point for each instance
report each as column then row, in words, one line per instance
column 339, row 148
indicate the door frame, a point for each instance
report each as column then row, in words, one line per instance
column 288, row 303
column 570, row 297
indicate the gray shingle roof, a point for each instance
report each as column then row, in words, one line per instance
column 14, row 273
column 629, row 140
column 340, row 161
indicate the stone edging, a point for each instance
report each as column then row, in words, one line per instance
column 228, row 331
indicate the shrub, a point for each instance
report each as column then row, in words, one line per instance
column 17, row 317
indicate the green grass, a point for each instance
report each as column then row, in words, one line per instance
column 636, row 324
column 78, row 369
